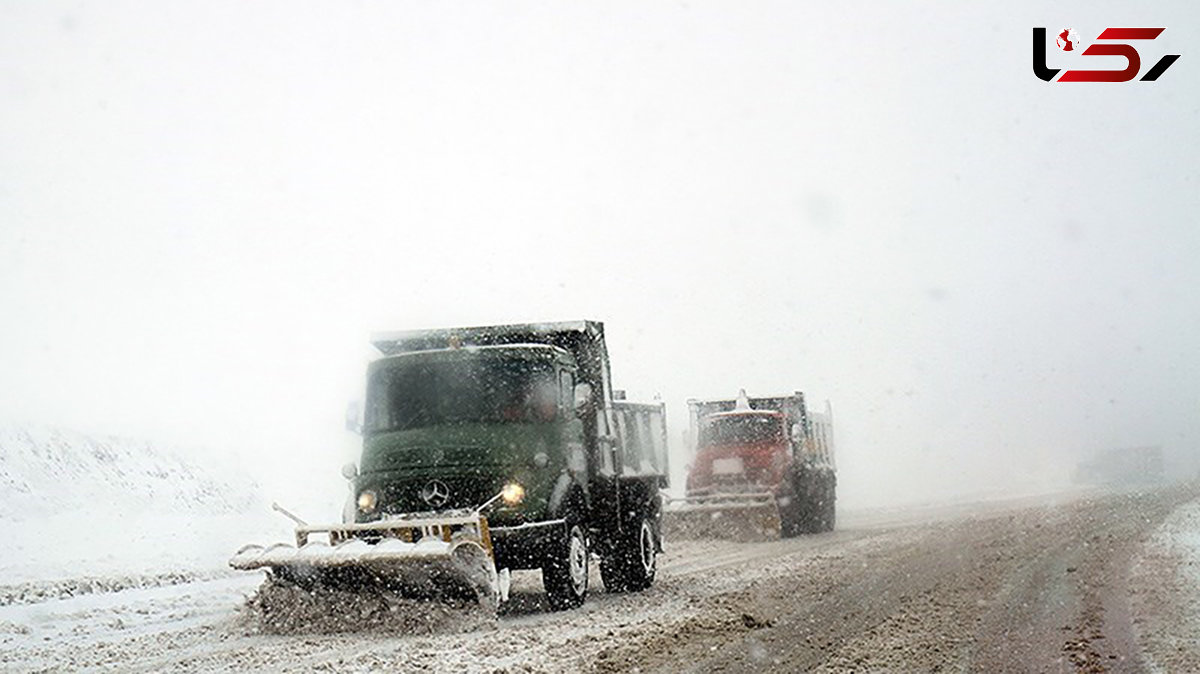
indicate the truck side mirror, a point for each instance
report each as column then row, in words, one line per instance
column 353, row 416
column 583, row 397
column 350, row 471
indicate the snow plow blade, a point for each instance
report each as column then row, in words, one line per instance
column 739, row 517
column 423, row 556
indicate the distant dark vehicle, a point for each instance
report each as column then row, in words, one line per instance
column 1125, row 466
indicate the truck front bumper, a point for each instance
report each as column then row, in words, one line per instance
column 524, row 546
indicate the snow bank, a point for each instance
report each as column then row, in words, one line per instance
column 46, row 471
column 75, row 507
column 279, row 608
column 1165, row 589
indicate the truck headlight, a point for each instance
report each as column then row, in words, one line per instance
column 367, row 500
column 513, row 493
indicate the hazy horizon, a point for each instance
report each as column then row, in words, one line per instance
column 206, row 210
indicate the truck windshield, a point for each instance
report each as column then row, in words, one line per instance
column 741, row 429
column 433, row 393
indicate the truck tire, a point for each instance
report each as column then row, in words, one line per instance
column 565, row 571
column 632, row 565
column 789, row 515
column 830, row 518
column 796, row 507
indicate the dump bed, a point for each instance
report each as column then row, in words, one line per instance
column 792, row 407
column 642, row 432
column 583, row 339
column 816, row 429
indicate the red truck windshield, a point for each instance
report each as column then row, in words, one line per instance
column 741, row 429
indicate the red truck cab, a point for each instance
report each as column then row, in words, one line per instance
column 742, row 450
column 769, row 456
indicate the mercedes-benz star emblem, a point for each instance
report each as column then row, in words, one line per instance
column 435, row 493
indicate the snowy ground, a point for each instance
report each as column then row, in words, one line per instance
column 1078, row 581
column 74, row 506
column 1166, row 587
column 1033, row 584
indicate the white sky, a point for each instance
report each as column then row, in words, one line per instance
column 205, row 208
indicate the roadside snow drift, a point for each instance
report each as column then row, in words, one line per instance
column 75, row 506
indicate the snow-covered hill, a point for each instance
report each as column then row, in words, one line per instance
column 75, row 506
column 45, row 471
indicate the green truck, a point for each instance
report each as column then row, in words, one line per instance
column 486, row 450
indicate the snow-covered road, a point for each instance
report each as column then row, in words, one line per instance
column 1042, row 582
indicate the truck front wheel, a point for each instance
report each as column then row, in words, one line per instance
column 632, row 565
column 565, row 571
column 792, row 508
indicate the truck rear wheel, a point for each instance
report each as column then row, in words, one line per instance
column 565, row 571
column 632, row 565
column 789, row 515
column 829, row 520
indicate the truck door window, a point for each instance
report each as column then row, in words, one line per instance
column 566, row 391
column 606, row 437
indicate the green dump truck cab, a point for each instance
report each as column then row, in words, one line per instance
column 454, row 417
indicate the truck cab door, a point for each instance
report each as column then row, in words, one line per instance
column 605, row 487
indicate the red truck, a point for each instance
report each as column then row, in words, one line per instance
column 761, row 468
